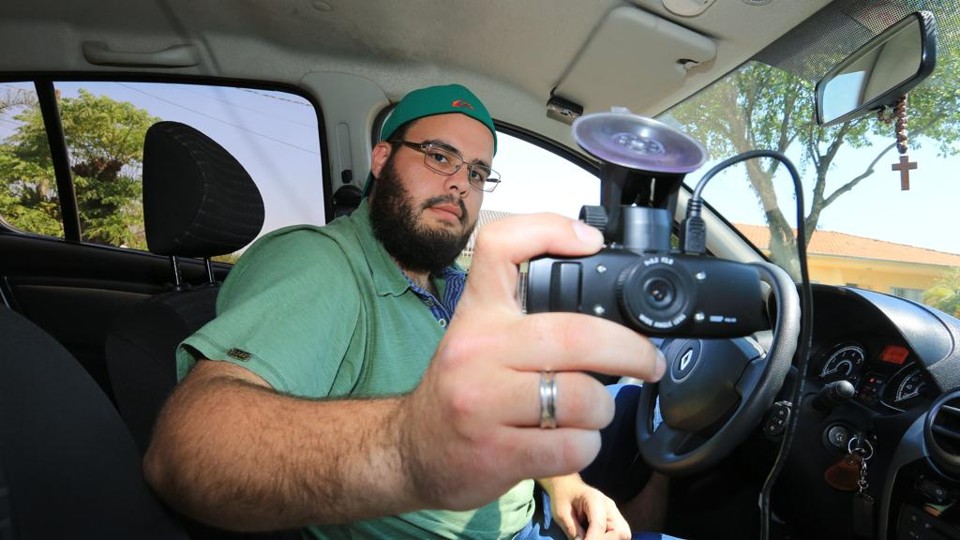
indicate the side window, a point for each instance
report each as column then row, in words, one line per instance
column 273, row 134
column 534, row 180
column 537, row 180
column 28, row 188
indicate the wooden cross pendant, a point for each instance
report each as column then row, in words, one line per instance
column 905, row 166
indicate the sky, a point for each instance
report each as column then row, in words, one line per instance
column 275, row 137
column 925, row 216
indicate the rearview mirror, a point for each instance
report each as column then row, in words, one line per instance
column 877, row 74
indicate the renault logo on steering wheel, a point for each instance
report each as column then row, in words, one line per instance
column 685, row 360
column 685, row 364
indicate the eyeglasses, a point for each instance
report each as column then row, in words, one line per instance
column 448, row 162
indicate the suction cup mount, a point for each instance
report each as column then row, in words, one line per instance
column 643, row 163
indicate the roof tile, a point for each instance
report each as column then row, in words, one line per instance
column 848, row 245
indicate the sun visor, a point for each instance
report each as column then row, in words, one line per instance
column 631, row 60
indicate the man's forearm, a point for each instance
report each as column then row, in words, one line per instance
column 240, row 456
column 549, row 483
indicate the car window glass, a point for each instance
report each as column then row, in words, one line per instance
column 538, row 180
column 28, row 188
column 274, row 135
column 857, row 201
column 534, row 180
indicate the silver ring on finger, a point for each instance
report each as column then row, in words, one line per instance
column 548, row 399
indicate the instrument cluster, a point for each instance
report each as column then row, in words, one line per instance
column 885, row 375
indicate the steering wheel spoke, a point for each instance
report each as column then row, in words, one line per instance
column 751, row 376
column 670, row 441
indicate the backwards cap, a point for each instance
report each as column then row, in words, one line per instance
column 430, row 101
column 434, row 100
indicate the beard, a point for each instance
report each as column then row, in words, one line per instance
column 395, row 219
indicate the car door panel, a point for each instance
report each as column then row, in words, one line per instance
column 75, row 291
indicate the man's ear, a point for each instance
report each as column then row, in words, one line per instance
column 379, row 156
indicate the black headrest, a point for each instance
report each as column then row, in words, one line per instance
column 198, row 200
column 346, row 200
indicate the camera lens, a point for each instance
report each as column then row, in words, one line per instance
column 656, row 293
column 660, row 292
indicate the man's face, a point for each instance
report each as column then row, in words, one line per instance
column 422, row 217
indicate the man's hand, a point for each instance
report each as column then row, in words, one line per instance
column 470, row 430
column 574, row 505
column 230, row 451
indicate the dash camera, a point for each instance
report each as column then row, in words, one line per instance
column 638, row 279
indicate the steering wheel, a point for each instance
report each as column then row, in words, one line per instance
column 715, row 391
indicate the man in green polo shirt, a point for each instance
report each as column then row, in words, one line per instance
column 335, row 389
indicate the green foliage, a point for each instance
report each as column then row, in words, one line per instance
column 945, row 293
column 28, row 194
column 760, row 107
column 230, row 258
column 105, row 141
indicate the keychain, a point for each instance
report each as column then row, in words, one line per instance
column 862, row 500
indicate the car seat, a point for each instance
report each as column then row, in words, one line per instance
column 68, row 466
column 198, row 201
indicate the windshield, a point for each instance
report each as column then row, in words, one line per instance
column 868, row 225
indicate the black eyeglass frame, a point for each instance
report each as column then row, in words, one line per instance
column 489, row 184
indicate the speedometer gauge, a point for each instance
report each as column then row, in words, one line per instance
column 843, row 363
column 910, row 386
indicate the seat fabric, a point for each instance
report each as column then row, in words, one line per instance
column 141, row 348
column 70, row 466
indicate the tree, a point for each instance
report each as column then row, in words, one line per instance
column 13, row 97
column 760, row 107
column 105, row 142
column 29, row 198
column 945, row 293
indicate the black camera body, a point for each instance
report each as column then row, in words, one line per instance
column 638, row 279
column 658, row 294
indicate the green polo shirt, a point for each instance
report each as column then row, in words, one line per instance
column 325, row 312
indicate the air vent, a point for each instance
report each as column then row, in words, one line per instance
column 942, row 433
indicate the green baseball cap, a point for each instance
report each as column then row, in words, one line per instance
column 431, row 101
column 451, row 98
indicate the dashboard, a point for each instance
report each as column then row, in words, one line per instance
column 897, row 361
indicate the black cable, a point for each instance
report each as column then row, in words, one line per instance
column 693, row 232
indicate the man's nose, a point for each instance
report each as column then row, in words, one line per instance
column 460, row 181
